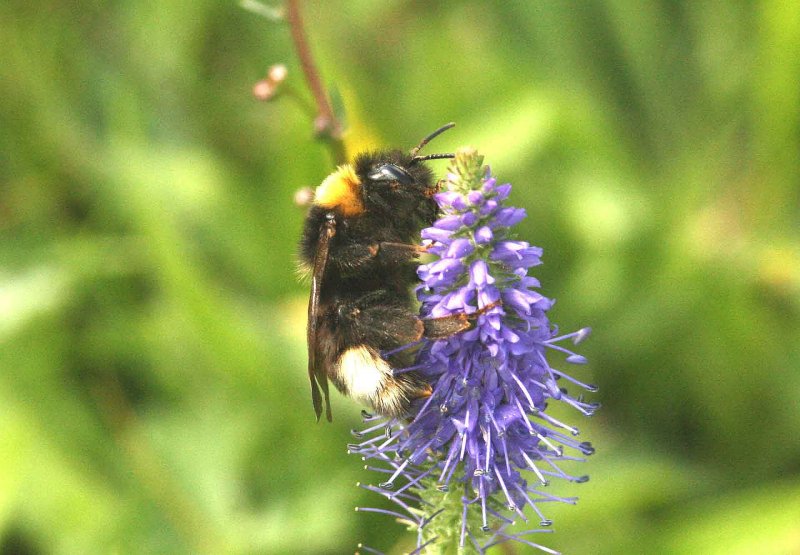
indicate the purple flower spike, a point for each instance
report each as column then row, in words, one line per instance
column 481, row 447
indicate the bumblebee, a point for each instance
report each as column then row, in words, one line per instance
column 361, row 242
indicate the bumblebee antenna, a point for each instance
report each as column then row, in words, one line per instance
column 428, row 139
column 416, row 159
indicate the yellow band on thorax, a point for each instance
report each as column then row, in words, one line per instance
column 342, row 190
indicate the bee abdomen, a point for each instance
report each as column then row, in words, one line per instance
column 368, row 378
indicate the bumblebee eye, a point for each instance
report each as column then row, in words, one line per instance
column 391, row 172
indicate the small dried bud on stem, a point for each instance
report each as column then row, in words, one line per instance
column 266, row 89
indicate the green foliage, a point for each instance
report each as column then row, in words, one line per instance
column 153, row 394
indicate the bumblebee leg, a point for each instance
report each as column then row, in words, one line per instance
column 401, row 249
column 445, row 326
column 395, row 254
column 357, row 257
column 439, row 328
column 381, row 319
column 353, row 258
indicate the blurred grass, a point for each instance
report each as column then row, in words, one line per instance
column 153, row 396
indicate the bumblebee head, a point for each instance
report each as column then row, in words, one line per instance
column 373, row 180
column 379, row 180
column 393, row 182
column 390, row 172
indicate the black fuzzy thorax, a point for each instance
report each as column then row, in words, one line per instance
column 393, row 213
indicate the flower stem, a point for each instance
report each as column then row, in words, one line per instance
column 326, row 126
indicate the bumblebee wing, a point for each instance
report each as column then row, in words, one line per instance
column 317, row 376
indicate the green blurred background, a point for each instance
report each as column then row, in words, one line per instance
column 153, row 391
